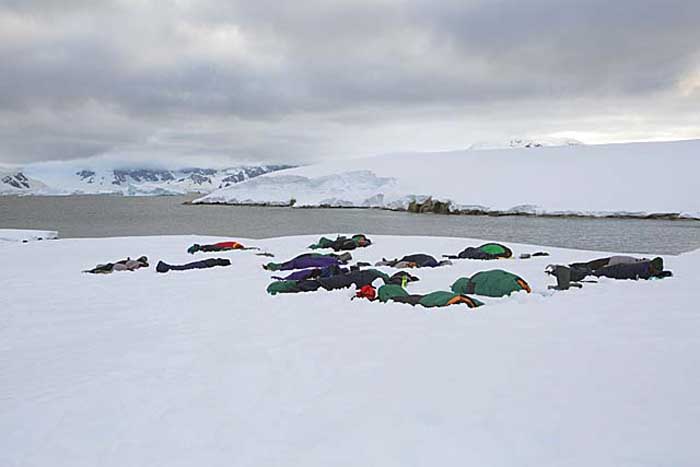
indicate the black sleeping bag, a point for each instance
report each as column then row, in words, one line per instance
column 421, row 260
column 640, row 270
column 357, row 278
column 203, row 264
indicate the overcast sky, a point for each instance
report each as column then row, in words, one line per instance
column 309, row 80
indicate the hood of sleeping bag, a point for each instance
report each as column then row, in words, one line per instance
column 496, row 249
column 492, row 283
column 361, row 240
column 366, row 291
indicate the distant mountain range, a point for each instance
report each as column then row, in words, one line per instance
column 57, row 179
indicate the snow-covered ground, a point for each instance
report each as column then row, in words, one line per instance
column 205, row 368
column 618, row 179
column 18, row 235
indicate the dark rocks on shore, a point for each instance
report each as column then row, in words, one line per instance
column 430, row 205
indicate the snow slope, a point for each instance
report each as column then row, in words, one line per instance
column 204, row 368
column 631, row 179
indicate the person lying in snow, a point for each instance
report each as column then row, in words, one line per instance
column 486, row 251
column 309, row 260
column 419, row 260
column 204, row 264
column 342, row 243
column 339, row 281
column 492, row 283
column 127, row 264
column 396, row 293
column 614, row 267
column 345, row 279
column 221, row 246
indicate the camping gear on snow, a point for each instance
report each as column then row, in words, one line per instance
column 342, row 243
column 203, row 264
column 486, row 251
column 492, row 283
column 309, row 260
column 396, row 293
column 127, row 264
column 419, row 260
column 533, row 255
column 221, row 246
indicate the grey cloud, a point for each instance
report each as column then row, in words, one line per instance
column 283, row 80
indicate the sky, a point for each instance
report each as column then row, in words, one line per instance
column 284, row 81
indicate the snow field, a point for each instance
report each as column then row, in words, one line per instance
column 205, row 368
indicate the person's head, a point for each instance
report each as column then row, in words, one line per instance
column 656, row 265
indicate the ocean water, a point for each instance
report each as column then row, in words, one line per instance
column 107, row 216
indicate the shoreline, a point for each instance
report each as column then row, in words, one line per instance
column 429, row 206
column 671, row 216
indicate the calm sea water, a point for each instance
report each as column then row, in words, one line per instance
column 107, row 216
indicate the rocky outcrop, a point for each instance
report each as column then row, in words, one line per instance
column 430, row 205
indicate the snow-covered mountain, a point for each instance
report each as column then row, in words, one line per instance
column 13, row 182
column 69, row 178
